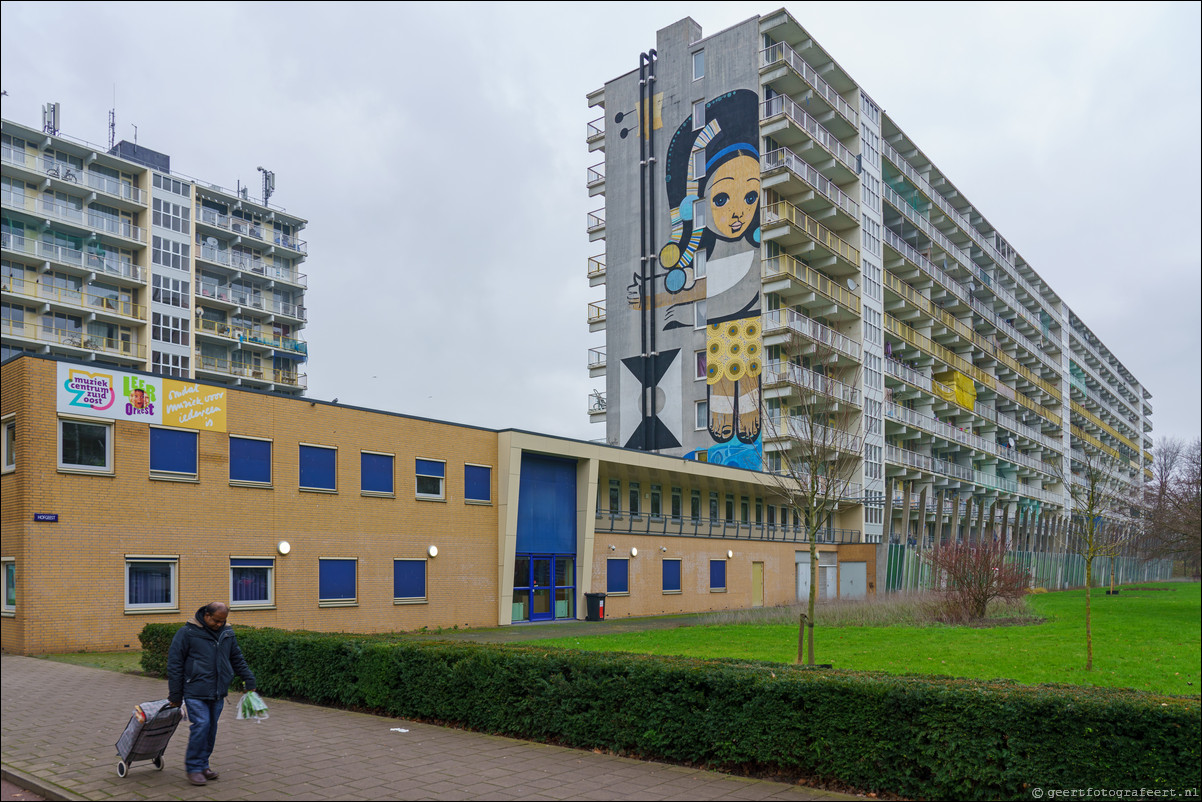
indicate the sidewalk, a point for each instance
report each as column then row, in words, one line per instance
column 59, row 724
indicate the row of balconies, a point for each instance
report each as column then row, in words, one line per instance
column 81, row 299
column 1098, row 399
column 116, row 267
column 962, row 473
column 1119, row 387
column 226, row 368
column 787, row 122
column 251, row 264
column 1098, row 389
column 90, row 221
column 76, row 342
column 44, row 165
column 248, row 228
column 241, row 298
column 781, row 53
column 776, row 320
column 247, row 336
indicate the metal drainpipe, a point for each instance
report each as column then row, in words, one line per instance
column 643, row 59
column 652, row 57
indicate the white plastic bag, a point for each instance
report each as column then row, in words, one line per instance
column 252, row 706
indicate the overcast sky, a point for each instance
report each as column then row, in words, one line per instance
column 438, row 152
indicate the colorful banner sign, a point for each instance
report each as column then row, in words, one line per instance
column 116, row 395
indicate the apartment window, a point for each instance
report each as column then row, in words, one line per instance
column 700, row 358
column 615, row 495
column 166, row 364
column 730, row 507
column 635, row 501
column 699, row 314
column 695, row 505
column 171, row 216
column 701, row 415
column 408, row 581
column 431, row 475
column 9, row 461
column 250, row 461
column 376, row 474
column 171, row 185
column 717, row 576
column 168, row 329
column 713, row 506
column 699, row 122
column 10, row 585
column 173, row 453
column 671, row 575
column 657, row 494
column 85, row 446
column 319, row 468
column 170, row 291
column 336, row 581
column 252, row 582
column 169, row 253
column 699, row 265
column 677, row 504
column 699, row 160
column 617, row 576
column 477, row 484
column 698, row 65
column 150, row 583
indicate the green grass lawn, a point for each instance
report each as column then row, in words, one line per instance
column 1145, row 639
column 125, row 661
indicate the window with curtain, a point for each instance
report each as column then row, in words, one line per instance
column 150, row 583
column 252, row 581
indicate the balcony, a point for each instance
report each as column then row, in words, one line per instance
column 596, row 179
column 780, row 214
column 791, row 320
column 243, row 335
column 76, row 343
column 596, row 406
column 787, row 122
column 777, row 268
column 595, row 135
column 249, row 228
column 781, row 54
column 596, row 224
column 65, row 212
column 77, row 299
column 596, row 270
column 250, row 264
column 962, row 473
column 596, row 361
column 810, row 436
column 596, row 316
column 811, row 179
column 111, row 266
column 806, row 379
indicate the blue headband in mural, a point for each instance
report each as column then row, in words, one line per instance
column 743, row 146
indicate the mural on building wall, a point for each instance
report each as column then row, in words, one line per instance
column 711, row 264
column 117, row 395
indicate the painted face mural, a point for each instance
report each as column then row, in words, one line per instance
column 713, row 186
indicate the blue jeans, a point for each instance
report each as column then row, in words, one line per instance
column 203, row 732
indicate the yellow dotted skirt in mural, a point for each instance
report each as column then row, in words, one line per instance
column 733, row 350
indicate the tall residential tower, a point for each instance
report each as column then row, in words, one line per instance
column 110, row 257
column 769, row 236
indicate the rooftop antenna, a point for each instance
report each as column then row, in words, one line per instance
column 50, row 118
column 113, row 120
column 268, row 183
column 135, row 133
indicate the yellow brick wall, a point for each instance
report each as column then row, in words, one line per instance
column 75, row 578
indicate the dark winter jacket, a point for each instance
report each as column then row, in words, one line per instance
column 201, row 663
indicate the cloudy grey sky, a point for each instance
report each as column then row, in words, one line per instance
column 437, row 150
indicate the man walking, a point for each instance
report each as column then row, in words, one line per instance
column 203, row 659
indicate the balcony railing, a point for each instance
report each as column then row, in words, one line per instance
column 783, row 157
column 596, row 220
column 596, row 312
column 953, row 434
column 59, row 210
column 77, row 298
column 793, row 320
column 782, row 52
column 108, row 264
column 922, row 462
column 596, row 129
column 782, row 211
column 811, row 436
column 596, row 266
column 596, row 403
column 74, row 338
column 249, row 228
column 789, row 266
column 251, row 264
column 685, row 526
column 806, row 379
column 780, row 104
column 115, row 188
column 596, row 174
column 596, row 358
column 245, row 335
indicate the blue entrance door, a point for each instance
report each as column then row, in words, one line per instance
column 544, row 587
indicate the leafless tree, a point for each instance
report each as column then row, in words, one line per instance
column 814, row 448
column 1102, row 520
column 1172, row 509
column 971, row 575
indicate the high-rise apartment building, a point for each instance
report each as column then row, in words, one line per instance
column 110, row 257
column 770, row 236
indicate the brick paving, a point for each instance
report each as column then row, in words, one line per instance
column 60, row 721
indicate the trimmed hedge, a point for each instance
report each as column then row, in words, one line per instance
column 918, row 736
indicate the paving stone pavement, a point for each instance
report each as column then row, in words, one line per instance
column 59, row 722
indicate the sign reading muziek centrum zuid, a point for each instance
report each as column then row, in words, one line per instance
column 117, row 395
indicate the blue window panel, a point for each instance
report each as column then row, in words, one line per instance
column 250, row 460
column 547, row 505
column 409, row 579
column 318, row 468
column 252, row 562
column 336, row 580
column 477, row 483
column 172, row 451
column 671, row 575
column 717, row 574
column 617, row 579
column 427, row 467
column 377, row 473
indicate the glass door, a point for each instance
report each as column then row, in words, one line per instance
column 544, row 587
